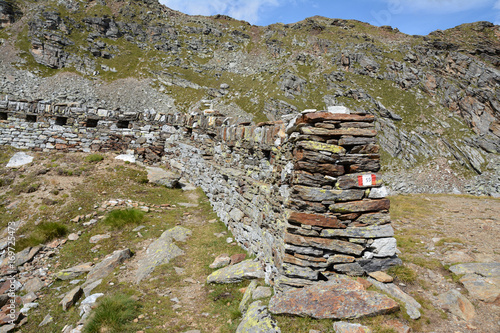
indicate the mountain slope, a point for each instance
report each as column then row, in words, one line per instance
column 436, row 96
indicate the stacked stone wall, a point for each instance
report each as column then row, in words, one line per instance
column 304, row 196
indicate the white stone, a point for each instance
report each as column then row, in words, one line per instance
column 338, row 109
column 378, row 192
column 126, row 157
column 86, row 305
column 19, row 159
column 384, row 247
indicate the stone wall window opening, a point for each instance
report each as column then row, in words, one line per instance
column 31, row 118
column 123, row 124
column 61, row 121
column 91, row 122
column 267, row 154
column 4, row 115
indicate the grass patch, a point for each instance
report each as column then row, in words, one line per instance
column 445, row 240
column 431, row 264
column 43, row 233
column 416, row 206
column 122, row 217
column 403, row 273
column 93, row 158
column 112, row 314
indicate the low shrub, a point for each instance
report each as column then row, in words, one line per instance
column 93, row 158
column 112, row 314
column 119, row 218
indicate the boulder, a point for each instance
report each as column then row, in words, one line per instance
column 19, row 159
column 338, row 298
column 457, row 304
column 71, row 298
column 257, row 320
column 163, row 177
column 74, row 272
column 162, row 251
column 412, row 306
column 107, row 265
column 247, row 296
column 245, row 270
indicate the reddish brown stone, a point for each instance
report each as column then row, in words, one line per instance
column 366, row 284
column 236, row 258
column 346, row 217
column 329, row 221
column 339, row 298
column 358, row 132
column 324, row 243
column 311, row 179
column 303, row 262
column 326, row 169
column 302, row 154
column 322, row 116
column 310, row 258
column 360, row 206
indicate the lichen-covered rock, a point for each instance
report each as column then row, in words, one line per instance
column 247, row 296
column 107, row 265
column 340, row 298
column 457, row 304
column 245, row 270
column 163, row 177
column 161, row 251
column 412, row 306
column 344, row 327
column 257, row 320
column 74, row 272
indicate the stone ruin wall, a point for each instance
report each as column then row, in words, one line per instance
column 304, row 197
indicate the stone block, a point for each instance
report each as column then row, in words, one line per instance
column 328, row 221
column 319, row 194
column 324, row 243
column 360, row 206
column 362, row 232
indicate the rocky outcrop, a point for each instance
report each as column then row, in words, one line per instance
column 9, row 13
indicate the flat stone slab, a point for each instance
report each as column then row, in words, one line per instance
column 412, row 306
column 484, row 269
column 257, row 320
column 107, row 265
column 457, row 304
column 74, row 272
column 19, row 159
column 339, row 298
column 245, row 270
column 163, row 177
column 482, row 280
column 71, row 298
column 162, row 251
column 344, row 327
column 375, row 231
column 126, row 157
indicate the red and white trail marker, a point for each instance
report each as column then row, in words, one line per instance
column 367, row 180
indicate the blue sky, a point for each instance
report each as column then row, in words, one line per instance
column 417, row 17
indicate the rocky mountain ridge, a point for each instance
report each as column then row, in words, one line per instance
column 436, row 97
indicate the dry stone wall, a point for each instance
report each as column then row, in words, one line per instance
column 303, row 195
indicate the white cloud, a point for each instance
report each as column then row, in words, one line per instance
column 437, row 6
column 238, row 9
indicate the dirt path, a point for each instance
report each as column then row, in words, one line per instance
column 437, row 231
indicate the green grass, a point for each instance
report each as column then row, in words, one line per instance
column 43, row 233
column 112, row 314
column 403, row 273
column 94, row 158
column 119, row 218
